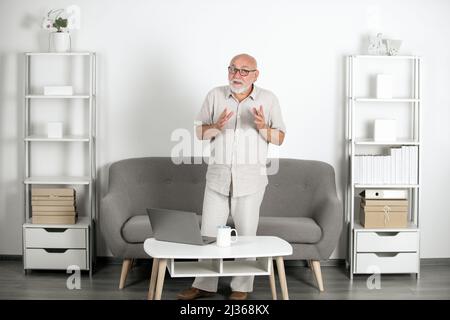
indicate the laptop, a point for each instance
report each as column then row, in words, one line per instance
column 177, row 226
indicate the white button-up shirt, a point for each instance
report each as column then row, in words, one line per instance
column 237, row 165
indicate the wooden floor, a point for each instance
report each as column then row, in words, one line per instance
column 434, row 283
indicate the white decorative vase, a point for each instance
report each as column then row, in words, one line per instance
column 60, row 42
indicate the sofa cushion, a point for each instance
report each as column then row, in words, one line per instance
column 291, row 229
column 138, row 228
column 294, row 230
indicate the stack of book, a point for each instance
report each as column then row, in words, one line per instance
column 53, row 206
column 384, row 208
column 400, row 167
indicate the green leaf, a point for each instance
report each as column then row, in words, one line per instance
column 60, row 23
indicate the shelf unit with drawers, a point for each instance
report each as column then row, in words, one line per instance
column 58, row 246
column 382, row 250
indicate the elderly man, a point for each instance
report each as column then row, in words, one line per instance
column 240, row 120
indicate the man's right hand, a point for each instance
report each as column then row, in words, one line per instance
column 207, row 132
column 223, row 119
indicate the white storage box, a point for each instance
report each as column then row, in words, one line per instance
column 54, row 129
column 384, row 86
column 385, row 130
column 58, row 90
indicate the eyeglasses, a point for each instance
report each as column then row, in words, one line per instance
column 242, row 72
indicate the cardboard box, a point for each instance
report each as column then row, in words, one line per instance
column 54, row 219
column 52, row 193
column 43, row 201
column 53, row 208
column 54, row 213
column 379, row 219
column 388, row 208
column 381, row 202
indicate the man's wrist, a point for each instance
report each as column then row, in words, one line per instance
column 215, row 129
column 268, row 132
column 215, row 126
column 206, row 131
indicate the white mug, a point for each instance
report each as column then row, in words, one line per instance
column 224, row 236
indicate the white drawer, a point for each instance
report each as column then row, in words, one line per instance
column 55, row 238
column 55, row 258
column 401, row 262
column 387, row 241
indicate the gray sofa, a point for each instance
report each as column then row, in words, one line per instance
column 300, row 205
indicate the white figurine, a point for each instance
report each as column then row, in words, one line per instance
column 376, row 46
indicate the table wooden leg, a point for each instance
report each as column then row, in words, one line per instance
column 273, row 287
column 153, row 276
column 282, row 276
column 160, row 282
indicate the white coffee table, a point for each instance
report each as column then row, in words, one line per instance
column 263, row 248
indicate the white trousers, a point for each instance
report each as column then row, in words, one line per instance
column 245, row 213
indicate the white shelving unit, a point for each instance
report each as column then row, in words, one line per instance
column 56, row 246
column 387, row 250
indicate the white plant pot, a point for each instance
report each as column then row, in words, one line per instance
column 60, row 41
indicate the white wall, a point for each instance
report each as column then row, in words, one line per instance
column 158, row 59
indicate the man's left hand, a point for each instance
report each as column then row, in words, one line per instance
column 260, row 120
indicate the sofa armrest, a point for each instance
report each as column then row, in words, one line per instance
column 114, row 213
column 328, row 215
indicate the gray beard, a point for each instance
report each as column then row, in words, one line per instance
column 239, row 90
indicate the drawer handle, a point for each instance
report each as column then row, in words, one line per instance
column 387, row 254
column 55, row 230
column 387, row 234
column 56, row 250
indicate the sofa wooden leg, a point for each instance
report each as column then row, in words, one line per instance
column 317, row 273
column 282, row 278
column 126, row 266
column 310, row 266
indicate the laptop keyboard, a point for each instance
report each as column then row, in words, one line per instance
column 208, row 239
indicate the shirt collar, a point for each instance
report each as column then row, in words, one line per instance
column 252, row 95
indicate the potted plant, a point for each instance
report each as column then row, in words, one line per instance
column 59, row 38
